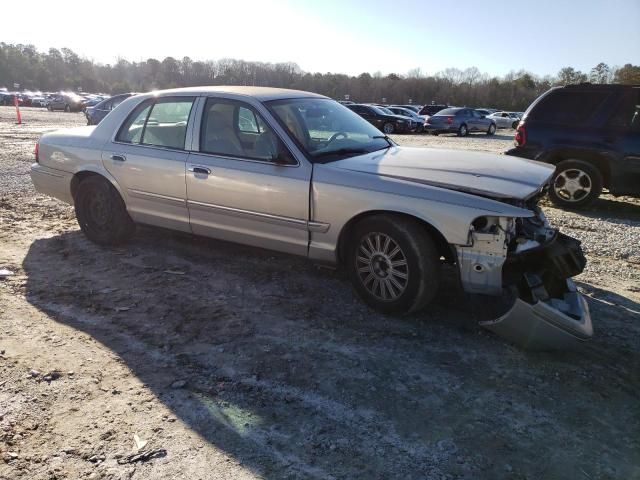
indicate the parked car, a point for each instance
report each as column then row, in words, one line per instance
column 96, row 113
column 405, row 112
column 431, row 109
column 69, row 102
column 381, row 120
column 8, row 98
column 39, row 101
column 461, row 121
column 591, row 134
column 414, row 123
column 504, row 120
column 199, row 160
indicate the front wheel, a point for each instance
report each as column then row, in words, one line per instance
column 101, row 212
column 514, row 125
column 388, row 128
column 393, row 264
column 575, row 184
column 492, row 129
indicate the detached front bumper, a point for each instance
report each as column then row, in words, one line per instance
column 548, row 312
column 555, row 324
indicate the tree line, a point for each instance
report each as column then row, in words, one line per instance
column 63, row 69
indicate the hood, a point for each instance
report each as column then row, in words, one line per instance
column 485, row 174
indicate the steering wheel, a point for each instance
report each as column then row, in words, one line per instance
column 337, row 135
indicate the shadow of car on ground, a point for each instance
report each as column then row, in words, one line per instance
column 286, row 371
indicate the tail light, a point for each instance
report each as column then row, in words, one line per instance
column 449, row 120
column 36, row 152
column 521, row 136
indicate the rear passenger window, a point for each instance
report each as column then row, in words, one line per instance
column 131, row 130
column 568, row 107
column 162, row 123
column 167, row 123
column 627, row 112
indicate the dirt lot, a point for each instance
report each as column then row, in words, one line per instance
column 242, row 363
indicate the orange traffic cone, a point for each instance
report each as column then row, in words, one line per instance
column 17, row 104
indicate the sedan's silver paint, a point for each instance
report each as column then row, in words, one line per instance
column 488, row 174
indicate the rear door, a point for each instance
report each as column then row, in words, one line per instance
column 147, row 157
column 243, row 183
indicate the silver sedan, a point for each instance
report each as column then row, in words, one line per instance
column 300, row 173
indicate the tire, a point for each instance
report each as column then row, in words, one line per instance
column 67, row 108
column 50, row 108
column 514, row 125
column 463, row 131
column 492, row 129
column 388, row 128
column 575, row 184
column 101, row 212
column 369, row 263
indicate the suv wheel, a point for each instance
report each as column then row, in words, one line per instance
column 101, row 213
column 463, row 131
column 393, row 264
column 575, row 184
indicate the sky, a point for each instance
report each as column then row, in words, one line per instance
column 352, row 37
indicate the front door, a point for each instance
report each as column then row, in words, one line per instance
column 148, row 160
column 243, row 184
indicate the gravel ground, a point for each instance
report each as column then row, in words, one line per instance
column 233, row 362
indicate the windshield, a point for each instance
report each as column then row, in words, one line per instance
column 386, row 110
column 449, row 111
column 327, row 130
column 406, row 112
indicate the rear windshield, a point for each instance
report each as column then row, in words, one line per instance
column 449, row 111
column 569, row 107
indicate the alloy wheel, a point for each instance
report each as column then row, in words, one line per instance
column 572, row 185
column 382, row 266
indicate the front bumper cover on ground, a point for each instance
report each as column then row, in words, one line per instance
column 555, row 324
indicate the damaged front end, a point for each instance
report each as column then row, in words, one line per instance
column 528, row 257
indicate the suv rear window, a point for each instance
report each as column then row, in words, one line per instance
column 568, row 107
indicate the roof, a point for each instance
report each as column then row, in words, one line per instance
column 261, row 93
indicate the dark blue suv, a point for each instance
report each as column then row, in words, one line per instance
column 592, row 134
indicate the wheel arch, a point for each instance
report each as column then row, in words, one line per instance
column 597, row 159
column 89, row 172
column 444, row 248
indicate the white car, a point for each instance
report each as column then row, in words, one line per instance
column 505, row 119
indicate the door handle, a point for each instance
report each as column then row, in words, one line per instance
column 118, row 158
column 199, row 169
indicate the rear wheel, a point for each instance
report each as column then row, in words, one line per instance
column 67, row 108
column 575, row 184
column 393, row 264
column 101, row 212
column 463, row 131
column 388, row 128
column 50, row 108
